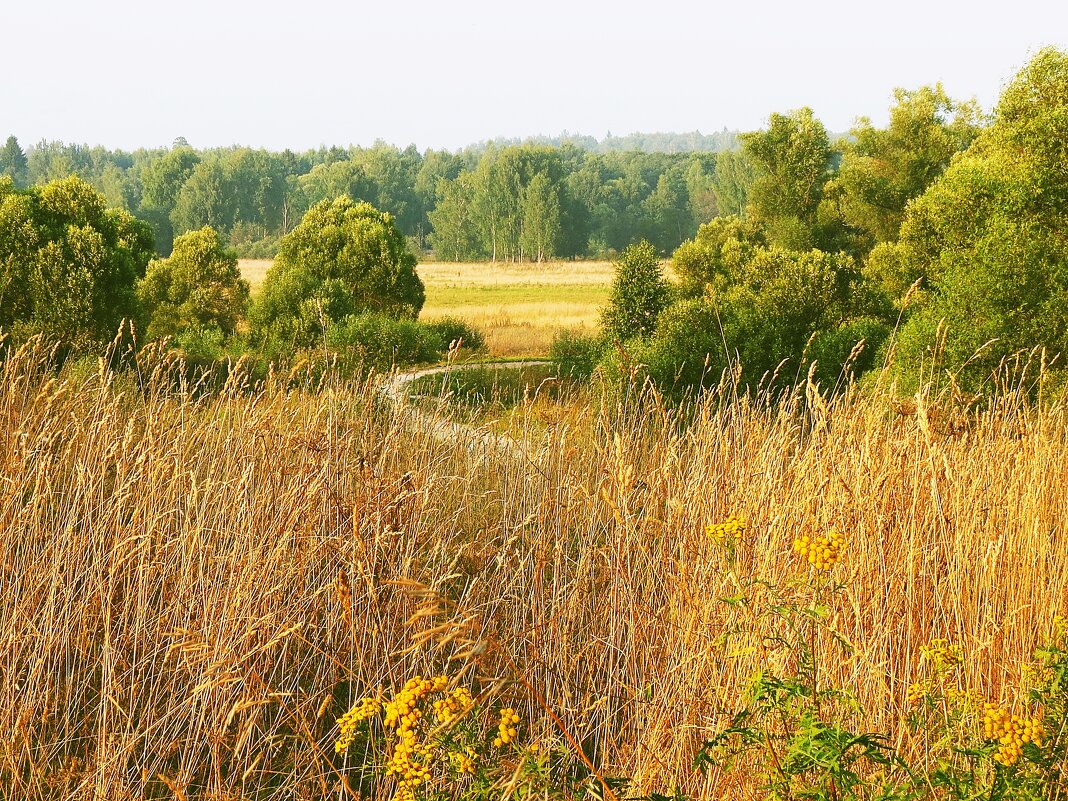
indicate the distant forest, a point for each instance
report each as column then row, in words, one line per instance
column 546, row 197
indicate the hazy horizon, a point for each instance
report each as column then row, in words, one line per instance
column 277, row 76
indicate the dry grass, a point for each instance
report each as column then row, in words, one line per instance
column 172, row 628
column 520, row 307
column 253, row 271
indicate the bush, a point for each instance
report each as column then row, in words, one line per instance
column 576, row 354
column 345, row 258
column 68, row 264
column 198, row 286
column 687, row 351
column 835, row 350
column 453, row 329
column 639, row 293
column 375, row 340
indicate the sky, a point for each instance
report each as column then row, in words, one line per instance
column 137, row 73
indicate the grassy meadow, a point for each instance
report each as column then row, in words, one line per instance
column 519, row 306
column 197, row 586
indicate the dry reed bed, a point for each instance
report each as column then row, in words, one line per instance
column 194, row 587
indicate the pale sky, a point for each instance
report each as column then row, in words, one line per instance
column 133, row 73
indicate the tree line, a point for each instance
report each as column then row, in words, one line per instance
column 526, row 201
column 934, row 245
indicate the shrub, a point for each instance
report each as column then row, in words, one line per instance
column 452, row 329
column 836, row 350
column 639, row 293
column 198, row 286
column 576, row 354
column 68, row 264
column 345, row 258
column 376, row 340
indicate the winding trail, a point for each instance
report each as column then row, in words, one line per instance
column 477, row 441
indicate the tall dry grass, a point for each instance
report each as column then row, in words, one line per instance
column 195, row 585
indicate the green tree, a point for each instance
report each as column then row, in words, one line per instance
column 716, row 256
column 884, row 168
column 732, row 181
column 336, row 179
column 668, row 219
column 68, row 264
column 456, row 233
column 793, row 162
column 13, row 161
column 496, row 200
column 986, row 241
column 639, row 294
column 161, row 181
column 343, row 259
column 197, row 287
column 206, row 198
column 541, row 219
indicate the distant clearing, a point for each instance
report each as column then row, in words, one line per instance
column 518, row 306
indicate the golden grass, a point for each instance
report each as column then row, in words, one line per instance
column 519, row 307
column 170, row 615
column 253, row 271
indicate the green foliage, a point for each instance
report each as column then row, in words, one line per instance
column 686, row 352
column 67, row 263
column 541, row 219
column 986, row 241
column 782, row 299
column 197, row 287
column 372, row 339
column 733, row 181
column 343, row 259
column 882, row 169
column 576, row 354
column 850, row 348
column 716, row 255
column 639, row 294
column 456, row 234
column 13, row 161
column 760, row 307
column 793, row 160
column 454, row 332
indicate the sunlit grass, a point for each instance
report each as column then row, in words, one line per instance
column 519, row 307
column 174, row 624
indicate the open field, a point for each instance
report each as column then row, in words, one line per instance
column 253, row 271
column 518, row 306
column 194, row 589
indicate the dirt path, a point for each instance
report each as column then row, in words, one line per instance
column 477, row 441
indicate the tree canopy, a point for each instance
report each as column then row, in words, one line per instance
column 68, row 264
column 343, row 259
column 197, row 286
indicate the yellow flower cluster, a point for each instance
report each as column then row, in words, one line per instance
column 729, row 531
column 411, row 759
column 967, row 698
column 918, row 691
column 454, row 704
column 1010, row 732
column 821, row 552
column 506, row 729
column 403, row 711
column 350, row 722
column 464, row 761
column 942, row 655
